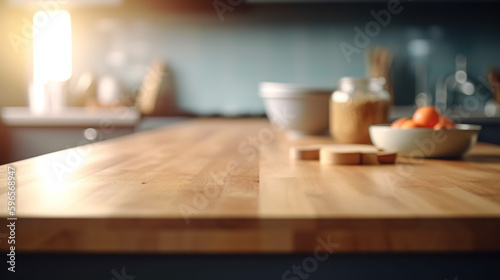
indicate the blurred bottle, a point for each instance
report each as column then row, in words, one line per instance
column 459, row 89
column 419, row 50
column 108, row 91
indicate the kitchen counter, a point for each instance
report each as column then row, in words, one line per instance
column 227, row 185
column 71, row 116
column 25, row 134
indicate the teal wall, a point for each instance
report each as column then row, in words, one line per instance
column 217, row 65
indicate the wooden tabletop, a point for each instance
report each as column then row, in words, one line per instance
column 227, row 185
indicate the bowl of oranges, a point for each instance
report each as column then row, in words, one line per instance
column 427, row 134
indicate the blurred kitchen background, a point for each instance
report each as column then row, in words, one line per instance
column 217, row 52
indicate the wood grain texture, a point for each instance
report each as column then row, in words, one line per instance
column 347, row 154
column 228, row 185
column 305, row 153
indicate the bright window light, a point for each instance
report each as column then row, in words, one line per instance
column 51, row 46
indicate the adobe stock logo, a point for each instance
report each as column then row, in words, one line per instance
column 310, row 264
column 31, row 28
column 362, row 38
column 122, row 276
column 225, row 6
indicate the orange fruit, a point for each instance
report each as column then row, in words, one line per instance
column 397, row 123
column 427, row 116
column 447, row 121
column 439, row 125
column 444, row 123
column 408, row 124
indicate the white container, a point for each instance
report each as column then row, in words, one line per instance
column 108, row 91
column 297, row 108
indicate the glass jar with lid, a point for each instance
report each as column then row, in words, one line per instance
column 357, row 104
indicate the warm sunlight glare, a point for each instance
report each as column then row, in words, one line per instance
column 51, row 46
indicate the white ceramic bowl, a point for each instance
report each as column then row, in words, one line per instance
column 425, row 142
column 299, row 109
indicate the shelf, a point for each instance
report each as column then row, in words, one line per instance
column 71, row 116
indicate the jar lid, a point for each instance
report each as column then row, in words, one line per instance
column 349, row 83
column 284, row 90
